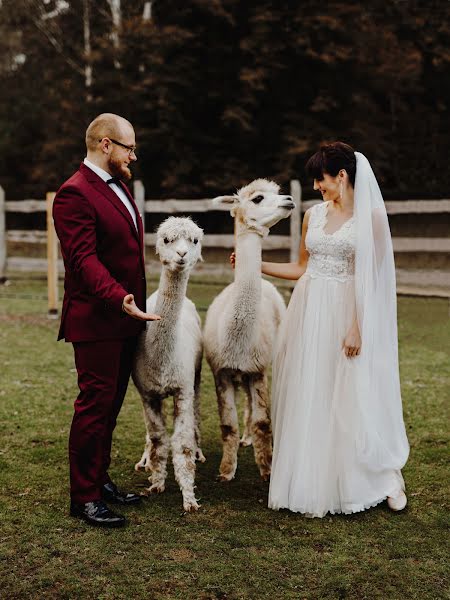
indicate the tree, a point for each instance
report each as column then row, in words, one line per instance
column 221, row 91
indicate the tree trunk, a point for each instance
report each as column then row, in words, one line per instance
column 116, row 13
column 87, row 51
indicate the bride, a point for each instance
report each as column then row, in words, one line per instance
column 339, row 436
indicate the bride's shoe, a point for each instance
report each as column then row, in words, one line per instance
column 397, row 502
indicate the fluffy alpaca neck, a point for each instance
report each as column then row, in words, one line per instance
column 171, row 293
column 244, row 312
column 248, row 260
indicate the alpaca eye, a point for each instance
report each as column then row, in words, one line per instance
column 166, row 240
column 257, row 199
column 196, row 241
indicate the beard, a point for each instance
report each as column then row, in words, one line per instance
column 117, row 168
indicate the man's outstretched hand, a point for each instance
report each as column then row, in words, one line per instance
column 129, row 306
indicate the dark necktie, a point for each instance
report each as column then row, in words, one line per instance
column 115, row 180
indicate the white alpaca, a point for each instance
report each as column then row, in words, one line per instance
column 241, row 325
column 168, row 362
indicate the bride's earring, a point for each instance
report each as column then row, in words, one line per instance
column 340, row 190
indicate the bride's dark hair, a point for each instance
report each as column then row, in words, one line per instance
column 331, row 158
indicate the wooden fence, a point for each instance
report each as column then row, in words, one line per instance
column 211, row 240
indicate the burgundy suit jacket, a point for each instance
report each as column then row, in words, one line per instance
column 103, row 257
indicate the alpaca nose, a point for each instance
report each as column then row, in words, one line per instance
column 182, row 253
column 288, row 202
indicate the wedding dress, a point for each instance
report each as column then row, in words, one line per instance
column 339, row 438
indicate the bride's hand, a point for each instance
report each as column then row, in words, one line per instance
column 233, row 259
column 352, row 342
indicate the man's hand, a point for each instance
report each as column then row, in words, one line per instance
column 129, row 307
column 233, row 259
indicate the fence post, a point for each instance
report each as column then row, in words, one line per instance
column 296, row 218
column 2, row 237
column 139, row 198
column 52, row 259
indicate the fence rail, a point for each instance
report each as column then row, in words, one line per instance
column 173, row 206
column 168, row 207
column 273, row 242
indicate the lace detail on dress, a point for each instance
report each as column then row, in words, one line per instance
column 331, row 255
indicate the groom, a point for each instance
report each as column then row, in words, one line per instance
column 103, row 312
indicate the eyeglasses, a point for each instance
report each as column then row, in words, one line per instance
column 131, row 149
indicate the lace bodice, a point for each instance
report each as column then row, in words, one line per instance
column 331, row 255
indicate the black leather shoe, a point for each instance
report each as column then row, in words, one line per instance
column 97, row 513
column 111, row 494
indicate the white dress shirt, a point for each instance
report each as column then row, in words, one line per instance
column 116, row 188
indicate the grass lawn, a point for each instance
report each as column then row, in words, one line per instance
column 234, row 547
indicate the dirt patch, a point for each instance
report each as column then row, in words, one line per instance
column 182, row 555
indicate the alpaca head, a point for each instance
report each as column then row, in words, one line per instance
column 258, row 205
column 178, row 243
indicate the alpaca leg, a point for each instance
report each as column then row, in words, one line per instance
column 157, row 445
column 229, row 425
column 261, row 427
column 198, row 451
column 144, row 463
column 246, row 439
column 183, row 448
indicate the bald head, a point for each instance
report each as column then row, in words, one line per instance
column 111, row 145
column 106, row 125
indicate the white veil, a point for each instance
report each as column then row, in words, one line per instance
column 381, row 439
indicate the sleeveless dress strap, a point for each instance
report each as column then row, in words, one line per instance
column 317, row 214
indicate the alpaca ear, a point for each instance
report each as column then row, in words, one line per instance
column 225, row 202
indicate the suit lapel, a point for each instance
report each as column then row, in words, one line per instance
column 139, row 217
column 102, row 187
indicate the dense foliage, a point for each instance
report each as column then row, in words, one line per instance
column 222, row 91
